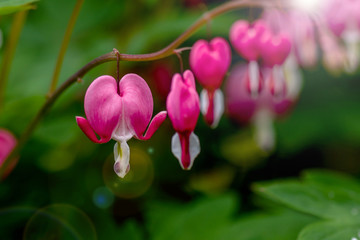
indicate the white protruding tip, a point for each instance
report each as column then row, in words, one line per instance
column 122, row 159
column 204, row 101
column 218, row 105
column 264, row 130
column 254, row 78
column 194, row 148
column 351, row 38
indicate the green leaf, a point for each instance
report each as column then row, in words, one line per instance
column 11, row 6
column 200, row 220
column 330, row 231
column 324, row 201
column 330, row 178
column 258, row 226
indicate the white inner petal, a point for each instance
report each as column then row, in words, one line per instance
column 204, row 101
column 264, row 130
column 194, row 146
column 293, row 77
column 122, row 159
column 254, row 78
column 218, row 107
column 176, row 147
column 351, row 37
column 122, row 131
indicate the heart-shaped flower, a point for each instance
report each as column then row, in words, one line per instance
column 210, row 62
column 245, row 38
column 275, row 48
column 119, row 111
column 183, row 106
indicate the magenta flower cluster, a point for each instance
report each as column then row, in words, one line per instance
column 266, row 86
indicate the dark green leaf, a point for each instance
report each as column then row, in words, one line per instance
column 201, row 220
column 258, row 226
column 319, row 200
column 10, row 6
column 330, row 231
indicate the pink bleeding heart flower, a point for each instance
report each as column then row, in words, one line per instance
column 7, row 144
column 343, row 18
column 246, row 39
column 334, row 54
column 183, row 106
column 240, row 105
column 300, row 28
column 210, row 62
column 260, row 111
column 119, row 111
column 275, row 48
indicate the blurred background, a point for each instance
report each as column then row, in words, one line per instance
column 64, row 186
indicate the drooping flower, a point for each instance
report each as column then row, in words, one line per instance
column 262, row 110
column 275, row 48
column 300, row 28
column 119, row 111
column 210, row 62
column 7, row 144
column 183, row 106
column 246, row 39
column 343, row 18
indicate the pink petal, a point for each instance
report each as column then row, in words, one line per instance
column 7, row 143
column 210, row 62
column 245, row 38
column 275, row 48
column 102, row 108
column 138, row 103
column 240, row 105
column 183, row 104
column 89, row 132
column 154, row 125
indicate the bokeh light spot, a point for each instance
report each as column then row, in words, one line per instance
column 136, row 182
column 103, row 198
column 150, row 150
column 56, row 160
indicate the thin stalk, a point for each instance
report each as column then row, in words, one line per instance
column 165, row 52
column 10, row 47
column 64, row 45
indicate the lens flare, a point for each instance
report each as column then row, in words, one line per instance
column 103, row 197
column 309, row 6
column 59, row 221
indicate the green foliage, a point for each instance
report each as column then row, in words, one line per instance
column 214, row 219
column 261, row 226
column 326, row 195
column 330, row 231
column 200, row 220
column 59, row 164
column 10, row 6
